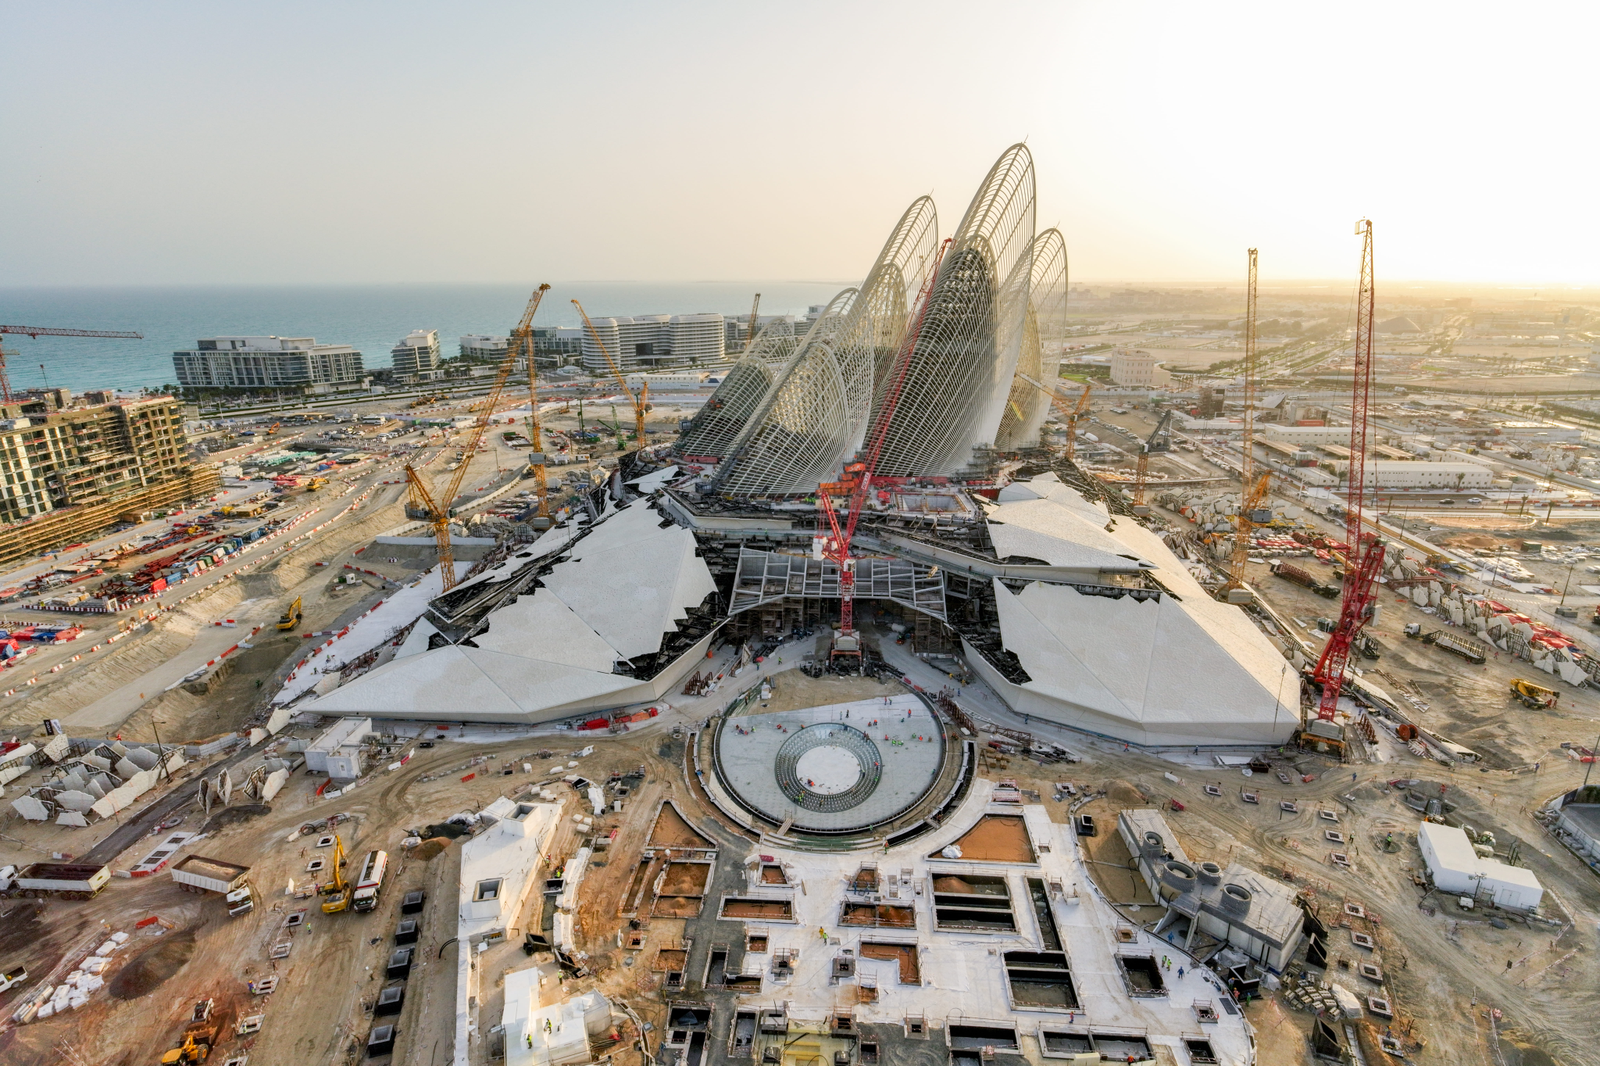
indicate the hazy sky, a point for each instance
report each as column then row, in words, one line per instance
column 370, row 142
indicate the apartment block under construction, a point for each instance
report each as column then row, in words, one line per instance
column 69, row 471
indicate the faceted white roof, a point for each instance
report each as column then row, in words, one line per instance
column 623, row 587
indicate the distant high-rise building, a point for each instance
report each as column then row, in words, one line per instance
column 266, row 363
column 417, row 353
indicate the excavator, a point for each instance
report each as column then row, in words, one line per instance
column 337, row 893
column 290, row 619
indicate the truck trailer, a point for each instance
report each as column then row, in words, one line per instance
column 202, row 874
column 63, row 880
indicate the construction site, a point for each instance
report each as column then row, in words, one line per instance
column 879, row 710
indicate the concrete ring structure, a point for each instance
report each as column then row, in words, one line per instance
column 841, row 768
column 828, row 767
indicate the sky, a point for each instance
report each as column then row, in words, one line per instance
column 346, row 142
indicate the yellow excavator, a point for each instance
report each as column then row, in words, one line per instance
column 336, row 893
column 290, row 618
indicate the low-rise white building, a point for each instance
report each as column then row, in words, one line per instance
column 484, row 346
column 1304, row 436
column 1450, row 477
column 265, row 363
column 543, row 1030
column 1455, row 867
column 339, row 751
column 1133, row 367
column 499, row 867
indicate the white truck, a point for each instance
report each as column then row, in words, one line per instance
column 230, row 880
column 370, row 884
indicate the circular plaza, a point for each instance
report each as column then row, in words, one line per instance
column 839, row 768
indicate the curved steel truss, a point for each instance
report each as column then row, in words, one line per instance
column 790, row 415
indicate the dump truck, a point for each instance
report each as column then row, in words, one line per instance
column 1534, row 697
column 63, row 880
column 13, row 977
column 1303, row 578
column 290, row 619
column 200, row 874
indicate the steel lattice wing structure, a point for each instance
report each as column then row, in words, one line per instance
column 792, row 412
column 720, row 422
column 961, row 370
column 814, row 414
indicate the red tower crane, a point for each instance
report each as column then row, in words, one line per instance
column 46, row 331
column 858, row 475
column 1364, row 558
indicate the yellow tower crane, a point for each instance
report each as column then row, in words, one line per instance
column 422, row 501
column 750, row 330
column 1073, row 418
column 640, row 402
column 522, row 341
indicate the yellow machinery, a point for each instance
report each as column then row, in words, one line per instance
column 188, row 1051
column 1536, row 697
column 522, row 341
column 1250, row 506
column 1072, row 420
column 1156, row 443
column 336, row 893
column 421, row 501
column 316, row 483
column 640, row 402
column 750, row 330
column 290, row 619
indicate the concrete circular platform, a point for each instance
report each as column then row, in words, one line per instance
column 836, row 768
column 828, row 770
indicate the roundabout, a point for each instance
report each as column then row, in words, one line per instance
column 838, row 768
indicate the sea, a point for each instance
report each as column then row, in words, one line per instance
column 370, row 317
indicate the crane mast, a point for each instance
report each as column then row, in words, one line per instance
column 522, row 339
column 1364, row 558
column 838, row 546
column 1244, row 525
column 1142, row 470
column 438, row 509
column 750, row 330
column 640, row 402
column 52, row 331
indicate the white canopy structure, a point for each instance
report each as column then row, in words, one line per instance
column 552, row 653
column 1154, row 662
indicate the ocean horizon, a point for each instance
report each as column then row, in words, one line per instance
column 370, row 317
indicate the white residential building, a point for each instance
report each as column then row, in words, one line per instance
column 484, row 346
column 265, row 363
column 1137, row 368
column 645, row 342
column 417, row 352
